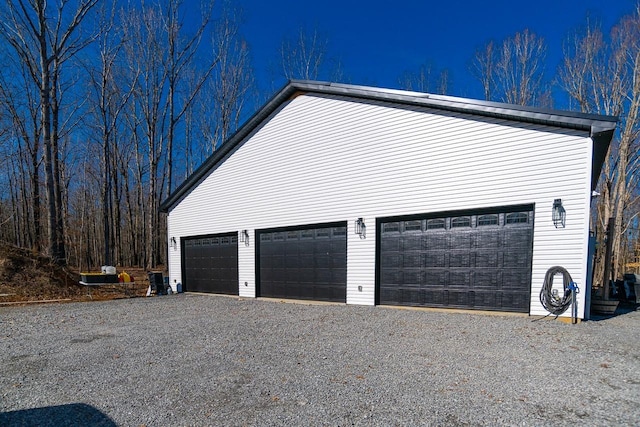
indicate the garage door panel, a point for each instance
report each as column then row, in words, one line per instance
column 459, row 278
column 486, row 299
column 433, row 259
column 211, row 264
column 517, row 279
column 391, row 244
column 323, row 245
column 478, row 260
column 277, row 261
column 306, row 261
column 517, row 238
column 279, row 290
column 313, row 261
column 337, row 243
column 307, row 275
column 412, row 242
column 339, row 262
column 460, row 240
column 306, row 248
column 459, row 259
column 433, row 241
column 391, row 260
column 434, row 297
column 487, row 259
column 389, row 294
column 391, row 277
column 338, row 277
column 322, row 261
column 518, row 300
column 323, row 275
column 291, row 260
column 460, row 298
column 291, row 275
column 487, row 280
column 412, row 278
column 517, row 259
column 305, row 290
column 267, row 274
column 411, row 259
column 491, row 239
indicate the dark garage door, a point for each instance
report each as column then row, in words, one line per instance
column 479, row 260
column 304, row 263
column 210, row 264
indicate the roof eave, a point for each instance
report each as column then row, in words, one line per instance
column 601, row 138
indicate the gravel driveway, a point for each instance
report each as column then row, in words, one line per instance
column 210, row 360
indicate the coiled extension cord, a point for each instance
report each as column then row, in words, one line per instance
column 553, row 303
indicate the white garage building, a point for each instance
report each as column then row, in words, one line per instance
column 369, row 196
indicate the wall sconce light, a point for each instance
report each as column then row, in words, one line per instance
column 174, row 243
column 361, row 228
column 558, row 214
column 244, row 237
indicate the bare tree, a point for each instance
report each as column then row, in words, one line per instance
column 484, row 69
column 514, row 73
column 232, row 80
column 19, row 100
column 146, row 57
column 44, row 36
column 427, row 79
column 162, row 55
column 519, row 69
column 603, row 77
column 182, row 51
column 304, row 56
column 109, row 95
column 144, row 79
column 626, row 41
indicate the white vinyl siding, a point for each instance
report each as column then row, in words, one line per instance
column 246, row 265
column 323, row 159
column 360, row 252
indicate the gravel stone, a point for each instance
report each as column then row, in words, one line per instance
column 200, row 360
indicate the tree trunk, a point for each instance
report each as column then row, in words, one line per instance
column 45, row 91
column 60, row 256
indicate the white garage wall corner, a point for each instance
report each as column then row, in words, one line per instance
column 566, row 247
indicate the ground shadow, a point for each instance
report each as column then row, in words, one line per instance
column 72, row 415
column 624, row 307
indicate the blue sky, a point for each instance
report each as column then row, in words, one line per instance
column 376, row 41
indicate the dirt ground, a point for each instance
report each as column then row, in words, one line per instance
column 26, row 277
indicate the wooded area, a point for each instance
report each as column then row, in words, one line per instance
column 107, row 106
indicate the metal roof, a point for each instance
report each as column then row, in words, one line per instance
column 599, row 128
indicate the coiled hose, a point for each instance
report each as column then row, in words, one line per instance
column 553, row 303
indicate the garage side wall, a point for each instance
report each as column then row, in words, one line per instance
column 326, row 159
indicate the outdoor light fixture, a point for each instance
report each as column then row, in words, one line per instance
column 558, row 214
column 244, row 237
column 361, row 228
column 174, row 243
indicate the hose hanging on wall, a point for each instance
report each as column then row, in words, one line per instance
column 553, row 303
